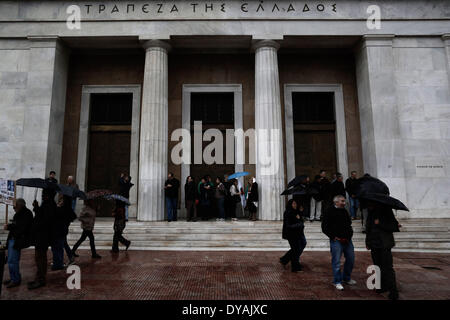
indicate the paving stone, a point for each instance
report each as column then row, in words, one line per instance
column 226, row 275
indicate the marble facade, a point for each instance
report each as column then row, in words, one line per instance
column 402, row 81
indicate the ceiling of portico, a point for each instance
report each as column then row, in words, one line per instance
column 198, row 44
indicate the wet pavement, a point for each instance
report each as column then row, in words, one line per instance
column 228, row 275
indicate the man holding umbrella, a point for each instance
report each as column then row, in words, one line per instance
column 381, row 224
column 41, row 235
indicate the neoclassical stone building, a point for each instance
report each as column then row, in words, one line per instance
column 102, row 95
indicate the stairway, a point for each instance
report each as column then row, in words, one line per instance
column 417, row 235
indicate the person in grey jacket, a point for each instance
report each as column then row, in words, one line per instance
column 87, row 218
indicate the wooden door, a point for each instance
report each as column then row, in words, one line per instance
column 314, row 150
column 109, row 155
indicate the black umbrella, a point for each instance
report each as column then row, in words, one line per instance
column 385, row 200
column 368, row 184
column 297, row 181
column 294, row 191
column 37, row 183
column 71, row 192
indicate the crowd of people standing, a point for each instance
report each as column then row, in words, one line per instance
column 224, row 198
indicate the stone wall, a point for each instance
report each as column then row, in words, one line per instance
column 423, row 97
column 33, row 76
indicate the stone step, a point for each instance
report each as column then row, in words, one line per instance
column 273, row 244
column 231, row 229
column 416, row 235
column 249, row 236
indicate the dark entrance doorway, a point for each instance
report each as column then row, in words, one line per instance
column 216, row 111
column 314, row 133
column 109, row 143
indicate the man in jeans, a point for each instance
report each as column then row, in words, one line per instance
column 350, row 188
column 171, row 189
column 18, row 239
column 337, row 225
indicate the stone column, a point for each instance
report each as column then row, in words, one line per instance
column 154, row 137
column 382, row 144
column 446, row 40
column 268, row 126
column 45, row 104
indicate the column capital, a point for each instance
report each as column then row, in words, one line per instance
column 155, row 43
column 50, row 41
column 446, row 39
column 376, row 40
column 265, row 43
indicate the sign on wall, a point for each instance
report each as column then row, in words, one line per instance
column 7, row 192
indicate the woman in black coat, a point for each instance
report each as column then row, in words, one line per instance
column 293, row 228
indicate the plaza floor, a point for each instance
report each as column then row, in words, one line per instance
column 233, row 275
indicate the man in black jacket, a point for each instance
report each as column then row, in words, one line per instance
column 18, row 239
column 337, row 225
column 190, row 197
column 337, row 188
column 293, row 232
column 350, row 187
column 381, row 224
column 41, row 232
column 171, row 191
column 125, row 185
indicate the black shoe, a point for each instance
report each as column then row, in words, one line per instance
column 35, row 284
column 393, row 295
column 13, row 284
column 6, row 282
column 96, row 256
column 169, row 220
column 381, row 291
column 57, row 268
column 128, row 245
column 115, row 251
column 297, row 270
column 284, row 263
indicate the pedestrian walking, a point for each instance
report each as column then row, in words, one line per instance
column 124, row 189
column 87, row 218
column 19, row 237
column 219, row 195
column 337, row 225
column 190, row 199
column 350, row 187
column 41, row 235
column 293, row 232
column 65, row 209
column 171, row 193
column 119, row 226
column 381, row 224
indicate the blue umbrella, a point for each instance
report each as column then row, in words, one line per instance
column 117, row 197
column 238, row 174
